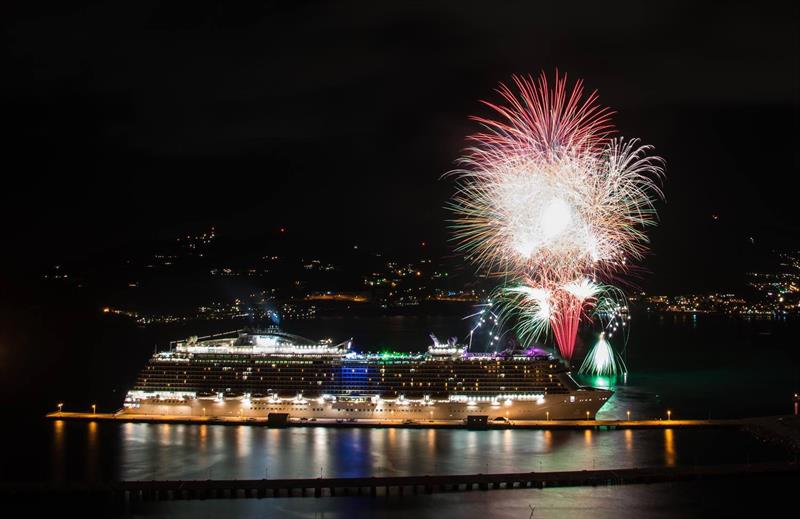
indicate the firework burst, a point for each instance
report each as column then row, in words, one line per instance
column 602, row 360
column 554, row 306
column 545, row 194
column 484, row 319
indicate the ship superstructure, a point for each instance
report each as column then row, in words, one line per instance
column 253, row 374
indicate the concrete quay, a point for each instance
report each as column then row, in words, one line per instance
column 420, row 424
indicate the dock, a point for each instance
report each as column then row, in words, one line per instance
column 421, row 424
column 124, row 492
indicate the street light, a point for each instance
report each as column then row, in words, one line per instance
column 587, row 415
column 94, row 409
column 548, row 415
column 669, row 414
column 629, row 415
column 60, row 405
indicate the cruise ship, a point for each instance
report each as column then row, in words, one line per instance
column 252, row 374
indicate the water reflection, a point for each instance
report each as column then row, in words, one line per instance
column 431, row 441
column 157, row 451
column 92, row 452
column 669, row 448
column 508, row 441
column 58, row 449
column 548, row 439
column 244, row 441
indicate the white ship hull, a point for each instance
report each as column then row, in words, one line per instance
column 580, row 404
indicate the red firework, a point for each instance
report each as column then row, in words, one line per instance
column 548, row 198
column 554, row 303
column 565, row 321
column 541, row 121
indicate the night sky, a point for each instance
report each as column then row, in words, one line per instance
column 135, row 120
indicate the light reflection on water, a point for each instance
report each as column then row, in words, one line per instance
column 59, row 448
column 669, row 448
column 168, row 451
column 696, row 499
column 92, row 451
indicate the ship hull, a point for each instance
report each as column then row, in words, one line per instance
column 581, row 405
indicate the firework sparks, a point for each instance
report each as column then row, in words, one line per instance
column 552, row 306
column 537, row 120
column 602, row 360
column 545, row 194
column 532, row 306
column 485, row 319
column 581, row 214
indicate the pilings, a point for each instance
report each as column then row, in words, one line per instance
column 137, row 491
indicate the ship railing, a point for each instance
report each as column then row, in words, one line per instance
column 204, row 337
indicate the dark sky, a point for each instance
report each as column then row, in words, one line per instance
column 136, row 120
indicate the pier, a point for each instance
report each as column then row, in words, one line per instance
column 421, row 424
column 137, row 491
